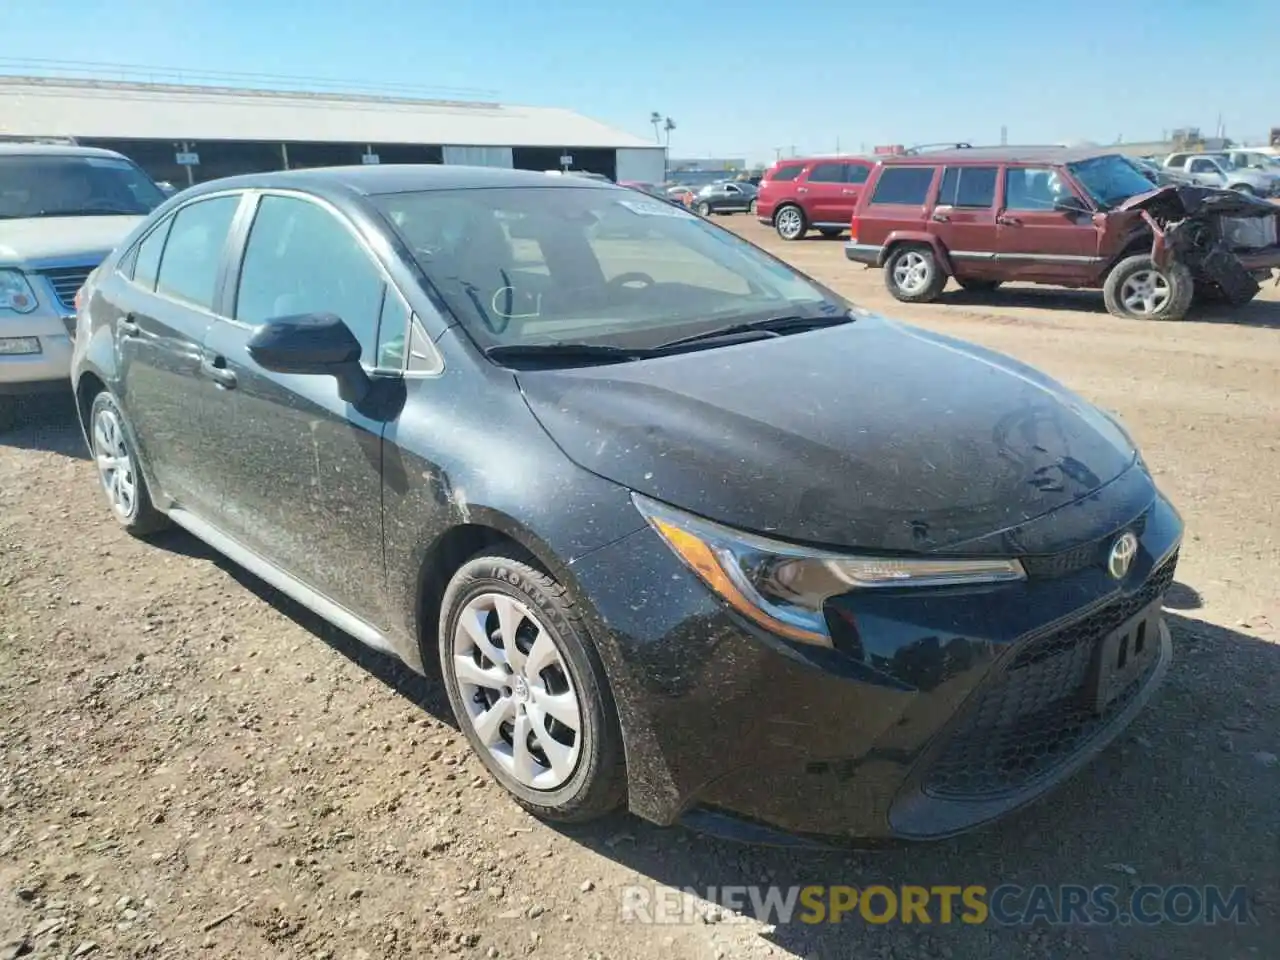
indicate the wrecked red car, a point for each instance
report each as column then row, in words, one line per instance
column 1072, row 218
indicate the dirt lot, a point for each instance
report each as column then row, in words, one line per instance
column 191, row 766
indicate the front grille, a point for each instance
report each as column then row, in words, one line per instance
column 66, row 281
column 1034, row 715
column 1078, row 558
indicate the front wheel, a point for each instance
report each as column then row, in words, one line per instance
column 1243, row 188
column 913, row 275
column 118, row 469
column 751, row 208
column 528, row 689
column 704, row 209
column 1136, row 288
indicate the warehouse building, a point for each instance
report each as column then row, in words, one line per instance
column 189, row 134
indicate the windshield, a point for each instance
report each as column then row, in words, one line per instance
column 37, row 185
column 1109, row 180
column 605, row 266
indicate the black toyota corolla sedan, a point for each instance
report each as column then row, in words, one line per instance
column 682, row 528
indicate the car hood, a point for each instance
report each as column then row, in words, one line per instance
column 36, row 242
column 870, row 435
column 1177, row 201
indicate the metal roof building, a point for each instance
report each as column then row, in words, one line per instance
column 188, row 134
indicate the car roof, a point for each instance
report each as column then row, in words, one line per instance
column 374, row 179
column 1051, row 155
column 34, row 149
column 833, row 158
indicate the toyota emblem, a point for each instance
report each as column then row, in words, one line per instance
column 1122, row 553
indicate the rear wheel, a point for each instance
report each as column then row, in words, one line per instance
column 528, row 689
column 704, row 209
column 751, row 208
column 912, row 274
column 118, row 469
column 790, row 222
column 1138, row 289
column 830, row 232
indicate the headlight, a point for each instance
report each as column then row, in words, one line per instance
column 15, row 293
column 782, row 587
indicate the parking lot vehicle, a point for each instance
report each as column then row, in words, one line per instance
column 1060, row 216
column 436, row 406
column 1216, row 170
column 818, row 193
column 62, row 209
column 729, row 196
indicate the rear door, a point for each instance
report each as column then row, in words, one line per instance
column 898, row 202
column 964, row 219
column 165, row 311
column 303, row 469
column 1038, row 242
column 822, row 194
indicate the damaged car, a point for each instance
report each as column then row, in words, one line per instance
column 1065, row 217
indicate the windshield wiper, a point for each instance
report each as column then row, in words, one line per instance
column 769, row 326
column 566, row 352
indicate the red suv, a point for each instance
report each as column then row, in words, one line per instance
column 820, row 192
column 1071, row 218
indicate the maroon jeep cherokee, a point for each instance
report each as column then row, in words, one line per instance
column 1073, row 218
column 818, row 192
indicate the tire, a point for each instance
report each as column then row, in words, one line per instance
column 1168, row 291
column 1243, row 188
column 8, row 413
column 135, row 512
column 751, row 208
column 830, row 233
column 790, row 222
column 704, row 209
column 913, row 275
column 980, row 286
column 595, row 784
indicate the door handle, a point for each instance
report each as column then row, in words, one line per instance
column 802, row 189
column 216, row 370
column 849, row 192
column 942, row 218
column 1009, row 221
column 127, row 327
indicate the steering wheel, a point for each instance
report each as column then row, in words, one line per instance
column 633, row 277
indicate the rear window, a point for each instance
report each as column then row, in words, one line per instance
column 786, row 173
column 968, row 187
column 905, row 185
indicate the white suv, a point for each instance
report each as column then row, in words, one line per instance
column 62, row 210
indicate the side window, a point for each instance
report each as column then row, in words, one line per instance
column 146, row 258
column 856, row 172
column 1032, row 188
column 787, row 173
column 193, row 252
column 827, row 173
column 301, row 259
column 968, row 187
column 1202, row 166
column 905, row 185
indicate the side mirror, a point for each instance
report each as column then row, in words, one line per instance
column 316, row 344
column 1070, row 204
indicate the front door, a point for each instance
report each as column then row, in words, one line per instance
column 303, row 468
column 964, row 220
column 164, row 312
column 1037, row 241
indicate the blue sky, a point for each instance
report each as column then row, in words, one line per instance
column 740, row 79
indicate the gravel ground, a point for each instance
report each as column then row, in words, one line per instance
column 193, row 766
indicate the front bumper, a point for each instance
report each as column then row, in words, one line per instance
column 937, row 712
column 50, row 368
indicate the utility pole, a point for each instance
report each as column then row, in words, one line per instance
column 1004, row 136
column 837, row 146
column 777, row 154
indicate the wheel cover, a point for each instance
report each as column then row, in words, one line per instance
column 1145, row 293
column 789, row 223
column 518, row 692
column 116, row 469
column 911, row 273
